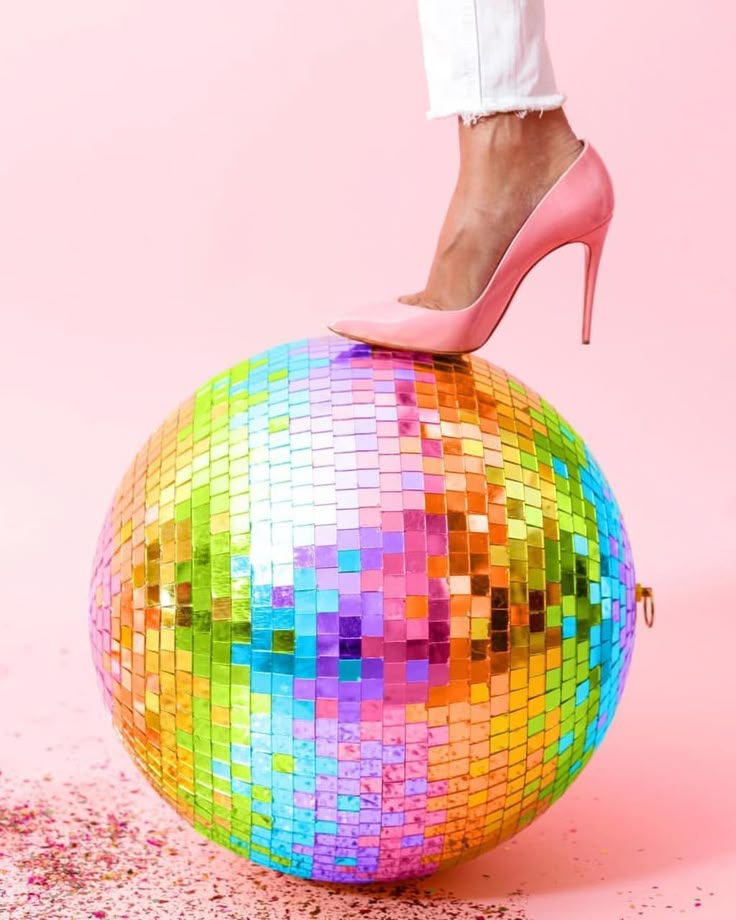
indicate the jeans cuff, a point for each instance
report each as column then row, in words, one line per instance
column 521, row 106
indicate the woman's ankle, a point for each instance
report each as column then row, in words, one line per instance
column 506, row 132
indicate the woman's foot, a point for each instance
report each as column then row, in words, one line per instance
column 507, row 164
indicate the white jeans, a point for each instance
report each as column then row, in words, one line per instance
column 486, row 56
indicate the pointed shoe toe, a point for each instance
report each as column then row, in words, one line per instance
column 410, row 327
column 386, row 324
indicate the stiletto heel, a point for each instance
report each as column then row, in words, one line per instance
column 594, row 247
column 578, row 207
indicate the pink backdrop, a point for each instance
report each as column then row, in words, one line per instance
column 185, row 184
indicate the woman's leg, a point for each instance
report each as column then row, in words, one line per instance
column 488, row 64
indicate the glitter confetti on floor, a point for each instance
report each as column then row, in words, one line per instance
column 87, row 851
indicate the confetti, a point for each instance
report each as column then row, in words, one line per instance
column 81, row 851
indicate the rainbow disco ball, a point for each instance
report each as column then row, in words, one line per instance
column 361, row 614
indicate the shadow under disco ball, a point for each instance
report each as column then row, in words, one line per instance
column 362, row 614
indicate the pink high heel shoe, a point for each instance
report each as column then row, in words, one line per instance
column 576, row 209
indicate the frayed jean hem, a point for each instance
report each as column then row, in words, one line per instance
column 520, row 107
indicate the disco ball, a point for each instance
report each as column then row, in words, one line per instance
column 361, row 614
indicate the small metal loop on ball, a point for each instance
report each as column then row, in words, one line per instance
column 646, row 596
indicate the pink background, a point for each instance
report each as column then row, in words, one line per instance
column 185, row 184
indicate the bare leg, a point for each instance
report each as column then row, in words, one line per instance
column 507, row 164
